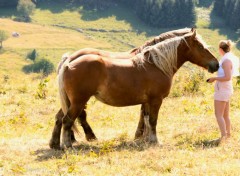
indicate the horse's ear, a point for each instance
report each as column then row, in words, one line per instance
column 193, row 28
column 134, row 50
column 194, row 31
column 147, row 54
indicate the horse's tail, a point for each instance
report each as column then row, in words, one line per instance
column 65, row 103
column 60, row 64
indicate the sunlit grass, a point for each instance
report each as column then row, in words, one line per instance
column 38, row 36
column 203, row 19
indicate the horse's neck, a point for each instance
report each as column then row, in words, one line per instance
column 179, row 65
column 181, row 56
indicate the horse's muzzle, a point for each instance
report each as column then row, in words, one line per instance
column 213, row 66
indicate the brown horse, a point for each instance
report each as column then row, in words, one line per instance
column 128, row 54
column 117, row 55
column 143, row 79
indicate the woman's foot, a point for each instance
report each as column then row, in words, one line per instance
column 228, row 135
column 220, row 140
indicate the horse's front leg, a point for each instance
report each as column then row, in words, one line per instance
column 55, row 140
column 151, row 122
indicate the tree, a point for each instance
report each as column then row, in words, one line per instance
column 218, row 7
column 228, row 10
column 8, row 3
column 3, row 36
column 166, row 13
column 235, row 18
column 26, row 8
column 191, row 14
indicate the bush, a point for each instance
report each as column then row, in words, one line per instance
column 26, row 8
column 189, row 84
column 3, row 36
column 42, row 89
column 43, row 65
column 238, row 81
column 193, row 84
column 32, row 55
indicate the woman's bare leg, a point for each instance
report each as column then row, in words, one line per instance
column 227, row 119
column 219, row 111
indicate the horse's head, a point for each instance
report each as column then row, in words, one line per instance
column 198, row 53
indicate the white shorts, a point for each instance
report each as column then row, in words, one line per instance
column 223, row 91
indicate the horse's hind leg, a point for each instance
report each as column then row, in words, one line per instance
column 73, row 139
column 86, row 127
column 140, row 128
column 68, row 121
column 55, row 140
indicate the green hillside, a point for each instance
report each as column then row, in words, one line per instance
column 186, row 121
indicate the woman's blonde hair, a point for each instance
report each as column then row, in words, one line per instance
column 226, row 45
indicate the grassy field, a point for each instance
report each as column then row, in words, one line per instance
column 186, row 123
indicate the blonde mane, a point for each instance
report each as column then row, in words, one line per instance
column 163, row 55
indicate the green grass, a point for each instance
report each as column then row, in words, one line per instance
column 186, row 121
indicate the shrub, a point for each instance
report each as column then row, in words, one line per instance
column 190, row 83
column 32, row 55
column 3, row 36
column 43, row 65
column 238, row 81
column 193, row 84
column 42, row 89
column 5, row 78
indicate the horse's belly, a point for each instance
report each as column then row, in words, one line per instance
column 120, row 99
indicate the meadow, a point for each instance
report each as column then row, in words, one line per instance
column 186, row 122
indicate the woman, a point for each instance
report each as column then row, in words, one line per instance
column 228, row 67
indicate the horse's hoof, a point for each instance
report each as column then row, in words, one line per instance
column 91, row 138
column 152, row 139
column 67, row 148
column 138, row 136
column 73, row 140
column 55, row 146
column 153, row 142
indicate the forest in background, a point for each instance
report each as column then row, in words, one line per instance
column 159, row 13
column 229, row 10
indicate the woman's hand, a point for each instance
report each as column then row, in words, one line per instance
column 211, row 80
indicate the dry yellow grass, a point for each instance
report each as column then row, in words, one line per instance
column 185, row 126
column 44, row 37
